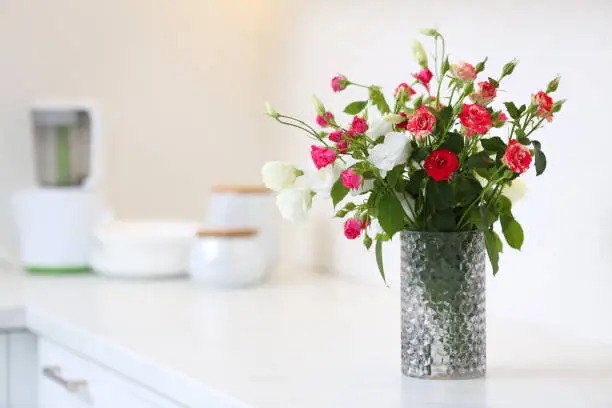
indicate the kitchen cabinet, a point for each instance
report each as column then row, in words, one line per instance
column 68, row 380
column 17, row 369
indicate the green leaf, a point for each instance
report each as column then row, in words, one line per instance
column 524, row 140
column 418, row 102
column 519, row 133
column 493, row 144
column 367, row 241
column 420, row 154
column 491, row 240
column 338, row 192
column 479, row 160
column 494, row 82
column 444, row 116
column 481, row 65
column 513, row 232
column 444, row 221
column 378, row 99
column 522, row 108
column 379, row 259
column 458, row 109
column 540, row 158
column 512, row 110
column 439, row 195
column 390, row 213
column 468, row 188
column 415, row 182
column 355, row 107
column 500, row 245
column 394, row 175
column 454, row 142
column 505, row 205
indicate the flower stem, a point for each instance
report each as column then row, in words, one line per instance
column 479, row 198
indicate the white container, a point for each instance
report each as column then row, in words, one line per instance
column 248, row 207
column 143, row 249
column 228, row 257
column 55, row 225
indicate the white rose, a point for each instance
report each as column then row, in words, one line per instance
column 294, row 203
column 516, row 190
column 278, row 175
column 378, row 127
column 322, row 180
column 393, row 151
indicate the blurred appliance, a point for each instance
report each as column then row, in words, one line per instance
column 55, row 218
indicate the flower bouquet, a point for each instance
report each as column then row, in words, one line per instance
column 438, row 163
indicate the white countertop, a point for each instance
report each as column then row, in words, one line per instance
column 303, row 342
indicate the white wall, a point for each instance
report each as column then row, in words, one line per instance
column 181, row 86
column 562, row 277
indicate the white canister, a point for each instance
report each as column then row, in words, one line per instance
column 229, row 257
column 55, row 226
column 248, row 207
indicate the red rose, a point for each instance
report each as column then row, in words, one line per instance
column 338, row 83
column 475, row 118
column 359, row 125
column 352, row 228
column 424, row 76
column 441, row 164
column 543, row 100
column 485, row 94
column 350, row 179
column 342, row 146
column 322, row 156
column 421, row 122
column 323, row 121
column 517, row 157
column 335, row 136
column 407, row 90
column 404, row 124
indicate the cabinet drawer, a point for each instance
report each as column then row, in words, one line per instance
column 69, row 380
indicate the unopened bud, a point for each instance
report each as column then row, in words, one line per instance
column 270, row 111
column 556, row 107
column 509, row 68
column 420, row 56
column 432, row 32
column 319, row 108
column 553, row 85
column 394, row 118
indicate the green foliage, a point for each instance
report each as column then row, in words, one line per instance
column 355, row 107
column 420, row 153
column 493, row 144
column 390, row 213
column 444, row 221
column 540, row 157
column 440, row 195
column 512, row 110
column 379, row 259
column 479, row 160
column 394, row 176
column 454, row 142
column 338, row 192
column 348, row 207
column 445, row 66
column 513, row 232
column 468, row 189
column 416, row 181
column 378, row 99
column 367, row 241
column 491, row 243
column 494, row 82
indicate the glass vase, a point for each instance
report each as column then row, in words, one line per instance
column 443, row 304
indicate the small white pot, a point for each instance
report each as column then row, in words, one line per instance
column 227, row 257
column 143, row 249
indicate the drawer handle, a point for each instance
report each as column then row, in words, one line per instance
column 54, row 374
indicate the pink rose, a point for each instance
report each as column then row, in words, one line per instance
column 352, row 228
column 421, row 122
column 543, row 100
column 463, row 71
column 543, row 113
column 351, row 134
column 475, row 119
column 323, row 121
column 485, row 94
column 335, row 136
column 339, row 83
column 342, row 146
column 408, row 91
column 359, row 125
column 502, row 117
column 424, row 76
column 322, row 156
column 350, row 179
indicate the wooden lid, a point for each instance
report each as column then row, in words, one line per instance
column 227, row 232
column 240, row 189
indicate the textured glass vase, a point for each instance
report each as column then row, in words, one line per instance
column 443, row 304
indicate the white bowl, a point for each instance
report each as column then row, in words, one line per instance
column 143, row 249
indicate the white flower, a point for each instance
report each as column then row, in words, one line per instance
column 279, row 175
column 393, row 151
column 294, row 203
column 394, row 118
column 322, row 180
column 378, row 127
column 516, row 190
column 366, row 185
